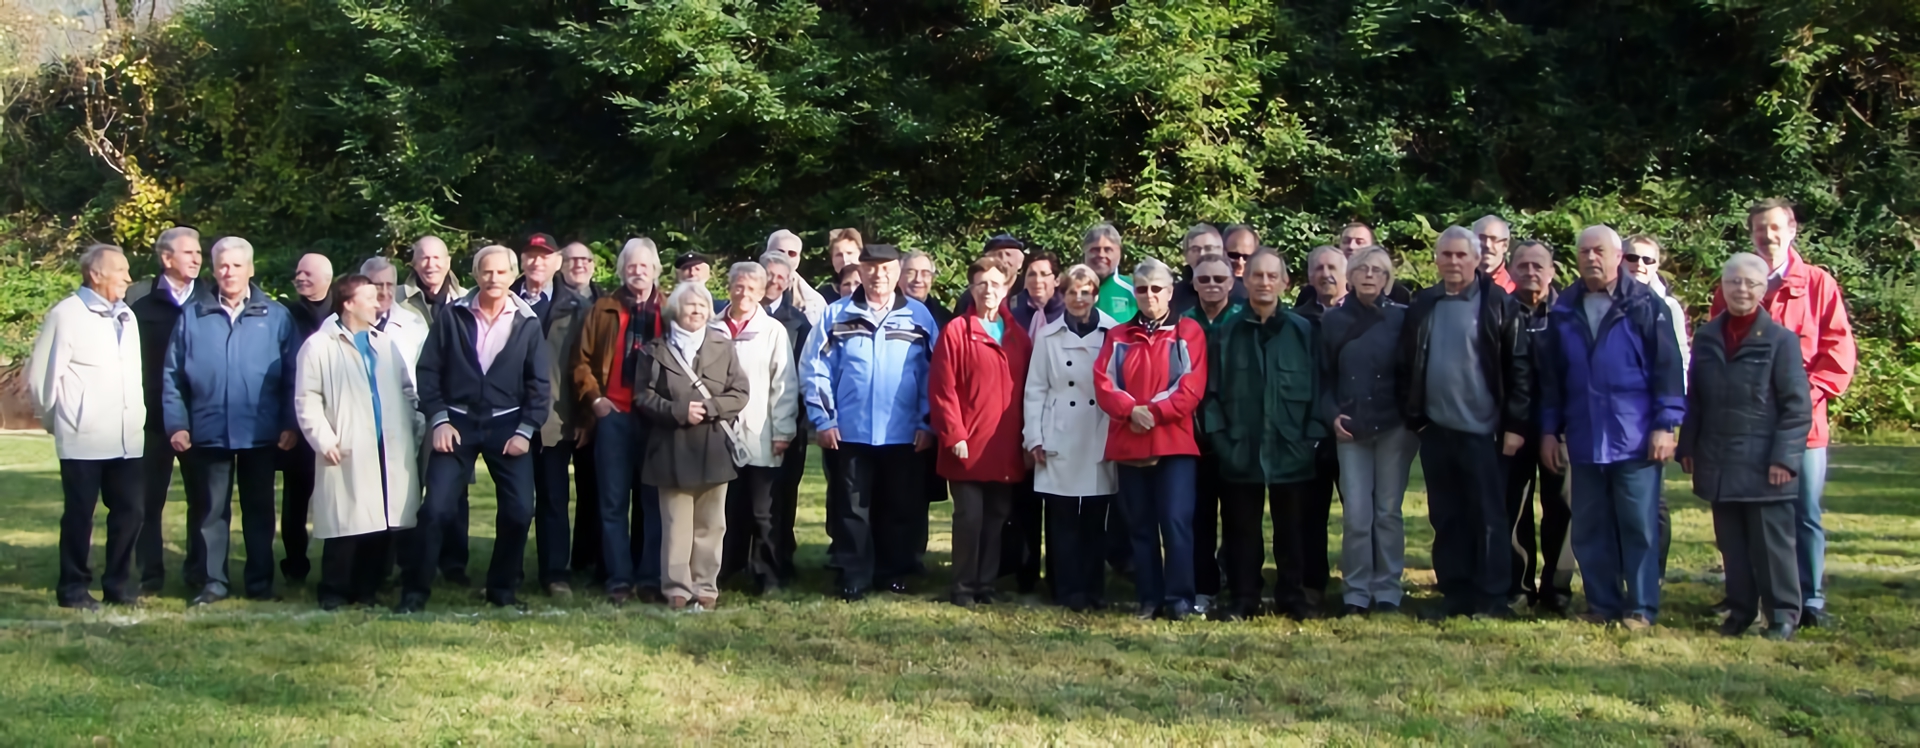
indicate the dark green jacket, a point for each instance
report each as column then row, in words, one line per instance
column 1208, row 329
column 1258, row 415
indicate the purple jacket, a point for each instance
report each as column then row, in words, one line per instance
column 1607, row 394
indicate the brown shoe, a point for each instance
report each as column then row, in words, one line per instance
column 560, row 590
column 1636, row 623
column 676, row 603
column 709, row 603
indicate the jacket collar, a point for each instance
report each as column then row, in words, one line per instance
column 256, row 305
column 333, row 328
column 519, row 305
column 1058, row 325
column 859, row 298
column 98, row 305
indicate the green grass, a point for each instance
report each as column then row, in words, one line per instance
column 803, row 669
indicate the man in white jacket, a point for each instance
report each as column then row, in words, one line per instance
column 85, row 377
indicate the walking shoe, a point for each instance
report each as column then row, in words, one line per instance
column 985, row 597
column 1735, row 626
column 560, row 590
column 1816, row 618
column 676, row 604
column 1179, row 611
column 1780, row 631
column 410, row 604
column 1386, row 609
column 1147, row 612
column 86, row 603
column 1722, row 607
column 1636, row 623
column 619, row 596
column 852, row 594
column 1353, row 611
column 506, row 599
column 1203, row 604
column 963, row 600
column 208, row 596
column 650, row 595
column 897, row 587
column 708, row 603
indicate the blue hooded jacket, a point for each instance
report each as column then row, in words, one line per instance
column 229, row 382
column 866, row 373
column 1608, row 393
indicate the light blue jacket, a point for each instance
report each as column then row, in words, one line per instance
column 865, row 373
column 226, row 381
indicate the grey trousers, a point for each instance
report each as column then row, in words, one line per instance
column 1757, row 545
column 1373, row 541
column 980, row 513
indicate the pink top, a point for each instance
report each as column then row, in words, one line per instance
column 489, row 339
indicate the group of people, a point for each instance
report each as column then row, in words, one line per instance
column 1079, row 417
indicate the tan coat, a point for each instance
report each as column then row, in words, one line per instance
column 334, row 406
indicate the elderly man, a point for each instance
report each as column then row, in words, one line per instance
column 577, row 266
column 483, row 388
column 1352, row 238
column 227, row 389
column 843, row 250
column 864, row 380
column 1201, row 240
column 1805, row 299
column 781, row 279
column 433, row 283
column 1241, row 243
column 1612, row 389
column 1212, row 277
column 1531, row 266
column 560, row 310
column 86, row 385
column 398, row 321
column 1495, row 236
column 1327, row 276
column 604, row 366
column 310, row 306
column 157, row 314
column 692, row 267
column 916, row 282
column 1464, row 386
column 1100, row 250
column 807, row 300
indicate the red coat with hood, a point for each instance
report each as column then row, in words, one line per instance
column 975, row 394
column 1807, row 301
column 1164, row 369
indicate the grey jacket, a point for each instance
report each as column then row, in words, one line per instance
column 679, row 454
column 1358, row 345
column 1746, row 413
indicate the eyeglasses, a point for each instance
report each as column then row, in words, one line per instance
column 1368, row 270
column 1204, row 248
column 1641, row 259
column 1213, row 279
column 1743, row 283
column 1154, row 289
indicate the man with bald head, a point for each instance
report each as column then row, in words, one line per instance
column 311, row 305
column 433, row 282
column 1612, row 390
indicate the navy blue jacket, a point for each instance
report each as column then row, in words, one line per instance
column 227, row 382
column 1608, row 393
column 449, row 370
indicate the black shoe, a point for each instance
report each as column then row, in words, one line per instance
column 963, row 600
column 1386, row 609
column 152, row 587
column 1553, row 607
column 506, row 599
column 896, row 586
column 1722, row 607
column 411, row 604
column 1435, row 614
column 1179, row 611
column 86, row 603
column 767, row 587
column 1780, row 631
column 650, row 595
column 457, row 577
column 1147, row 612
column 330, row 603
column 126, row 601
column 985, row 598
column 852, row 594
column 1816, row 618
column 1225, row 614
column 207, row 597
column 1736, row 625
column 1354, row 611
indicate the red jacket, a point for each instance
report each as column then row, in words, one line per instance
column 1165, row 370
column 1503, row 279
column 1808, row 302
column 974, row 392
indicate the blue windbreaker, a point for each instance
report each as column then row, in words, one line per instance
column 229, row 383
column 1607, row 394
column 866, row 373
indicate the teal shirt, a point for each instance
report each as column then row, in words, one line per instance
column 363, row 341
column 995, row 328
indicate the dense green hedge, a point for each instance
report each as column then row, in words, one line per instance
column 350, row 126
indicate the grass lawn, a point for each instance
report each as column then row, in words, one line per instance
column 804, row 669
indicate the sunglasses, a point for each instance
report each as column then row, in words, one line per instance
column 1154, row 289
column 1213, row 279
column 1239, row 256
column 1641, row 259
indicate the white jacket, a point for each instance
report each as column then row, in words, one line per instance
column 773, row 385
column 333, row 404
column 408, row 330
column 1679, row 324
column 1061, row 416
column 85, row 380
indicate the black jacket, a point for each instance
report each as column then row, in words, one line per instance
column 449, row 369
column 157, row 315
column 1506, row 357
column 1401, row 293
column 1358, row 347
column 1746, row 412
column 1536, row 328
column 307, row 316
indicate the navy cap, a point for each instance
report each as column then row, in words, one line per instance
column 1000, row 241
column 879, row 253
column 690, row 259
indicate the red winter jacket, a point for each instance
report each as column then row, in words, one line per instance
column 1165, row 370
column 1808, row 302
column 975, row 392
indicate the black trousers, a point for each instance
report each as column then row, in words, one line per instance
column 1245, row 554
column 296, row 495
column 1757, row 545
column 447, row 476
column 980, row 512
column 156, row 468
column 455, row 532
column 753, row 538
column 1208, row 498
column 115, row 483
column 352, row 567
column 586, row 514
column 1077, row 544
column 1467, row 505
column 1311, row 533
column 836, row 502
column 935, row 492
column 1550, row 561
column 551, row 484
column 213, row 475
column 1666, row 526
column 1023, row 538
column 786, row 503
column 882, row 504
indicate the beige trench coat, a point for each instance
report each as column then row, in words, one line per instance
column 334, row 406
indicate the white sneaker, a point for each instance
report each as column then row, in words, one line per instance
column 1202, row 604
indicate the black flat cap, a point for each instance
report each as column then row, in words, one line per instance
column 879, row 253
column 1000, row 241
column 690, row 259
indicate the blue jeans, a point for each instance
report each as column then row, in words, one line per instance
column 619, row 449
column 1809, row 535
column 1616, row 536
column 1158, row 504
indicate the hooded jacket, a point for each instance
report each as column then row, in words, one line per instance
column 229, row 381
column 864, row 371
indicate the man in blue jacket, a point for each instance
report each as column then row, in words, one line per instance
column 864, row 377
column 484, row 387
column 1612, row 388
column 227, row 393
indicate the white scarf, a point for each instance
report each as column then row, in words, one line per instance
column 687, row 341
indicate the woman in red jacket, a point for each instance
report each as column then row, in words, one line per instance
column 974, row 393
column 1149, row 379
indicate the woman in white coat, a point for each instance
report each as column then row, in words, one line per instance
column 1067, row 436
column 355, row 404
column 767, row 425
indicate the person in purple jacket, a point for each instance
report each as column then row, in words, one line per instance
column 1612, row 388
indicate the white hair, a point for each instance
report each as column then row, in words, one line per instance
column 1362, row 255
column 513, row 258
column 1745, row 261
column 918, row 254
column 90, row 260
column 671, row 309
column 749, row 269
column 1457, row 233
column 1149, row 269
column 1489, row 220
column 377, row 264
column 776, row 257
column 230, row 244
column 777, row 238
column 1606, row 232
column 164, row 245
column 1330, row 249
column 1102, row 230
column 638, row 248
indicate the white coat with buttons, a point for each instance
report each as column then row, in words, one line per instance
column 1061, row 417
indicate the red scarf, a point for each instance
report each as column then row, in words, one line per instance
column 1737, row 329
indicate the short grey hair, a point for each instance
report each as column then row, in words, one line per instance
column 513, row 258
column 1363, row 255
column 1285, row 277
column 1199, row 230
column 1212, row 257
column 1149, row 269
column 1457, row 233
column 90, row 260
column 229, row 244
column 376, row 265
column 1606, row 232
column 1080, row 273
column 775, row 239
column 682, row 292
column 776, row 257
column 638, row 248
column 1330, row 249
column 917, row 255
column 164, row 245
column 1489, row 220
column 746, row 269
column 1745, row 261
column 1101, row 230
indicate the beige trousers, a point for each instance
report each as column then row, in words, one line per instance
column 694, row 521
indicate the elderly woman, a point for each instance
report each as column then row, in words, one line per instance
column 690, row 386
column 1358, row 342
column 766, row 425
column 1149, row 379
column 1748, row 413
column 1067, row 436
column 974, row 391
column 355, row 403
